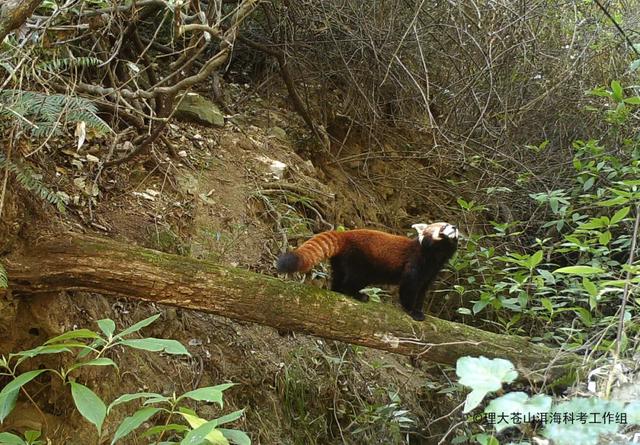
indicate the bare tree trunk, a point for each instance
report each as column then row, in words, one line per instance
column 13, row 13
column 80, row 262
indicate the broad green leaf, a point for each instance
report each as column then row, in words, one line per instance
column 604, row 238
column 588, row 183
column 19, row 382
column 208, row 394
column 7, row 403
column 139, row 325
column 202, row 430
column 231, row 417
column 535, row 259
column 236, row 436
column 473, row 399
column 11, row 439
column 616, row 90
column 579, row 270
column 614, row 201
column 584, row 315
column 156, row 345
column 620, row 215
column 101, row 361
column 589, row 286
column 129, row 397
column 635, row 100
column 483, row 375
column 593, row 223
column 132, row 422
column 79, row 333
column 107, row 326
column 50, row 349
column 89, row 404
column 32, row 435
column 517, row 403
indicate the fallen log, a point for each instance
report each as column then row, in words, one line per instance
column 87, row 263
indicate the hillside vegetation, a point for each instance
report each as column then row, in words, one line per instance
column 223, row 133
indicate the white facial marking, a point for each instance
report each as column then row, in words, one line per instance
column 420, row 229
column 450, row 231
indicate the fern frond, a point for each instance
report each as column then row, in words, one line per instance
column 42, row 115
column 59, row 65
column 4, row 279
column 28, row 179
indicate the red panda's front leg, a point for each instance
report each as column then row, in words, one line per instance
column 412, row 295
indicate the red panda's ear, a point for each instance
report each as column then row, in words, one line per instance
column 420, row 229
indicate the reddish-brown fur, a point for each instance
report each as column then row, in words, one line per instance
column 362, row 257
column 382, row 247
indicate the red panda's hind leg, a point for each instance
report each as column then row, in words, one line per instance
column 343, row 280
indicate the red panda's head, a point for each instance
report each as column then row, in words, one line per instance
column 440, row 231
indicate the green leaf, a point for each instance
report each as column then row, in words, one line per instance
column 634, row 65
column 635, row 100
column 139, row 325
column 107, row 326
column 89, row 404
column 588, row 183
column 620, row 215
column 208, row 394
column 604, row 238
column 11, row 439
column 156, row 345
column 132, row 422
column 202, row 431
column 593, row 223
column 129, row 397
column 579, row 270
column 615, row 201
column 32, row 435
column 79, row 333
column 546, row 303
column 584, row 315
column 616, row 90
column 462, row 203
column 483, row 375
column 236, row 436
column 7, row 403
column 589, row 286
column 19, row 382
column 534, row 259
column 101, row 361
column 231, row 417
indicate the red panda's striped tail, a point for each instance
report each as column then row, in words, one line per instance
column 288, row 262
column 320, row 247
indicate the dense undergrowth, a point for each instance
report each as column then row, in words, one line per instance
column 516, row 120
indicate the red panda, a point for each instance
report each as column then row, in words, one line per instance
column 362, row 257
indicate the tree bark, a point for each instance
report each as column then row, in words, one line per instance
column 13, row 13
column 86, row 263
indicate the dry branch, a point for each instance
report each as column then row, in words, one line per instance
column 85, row 263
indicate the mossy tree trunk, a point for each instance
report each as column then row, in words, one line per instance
column 78, row 262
